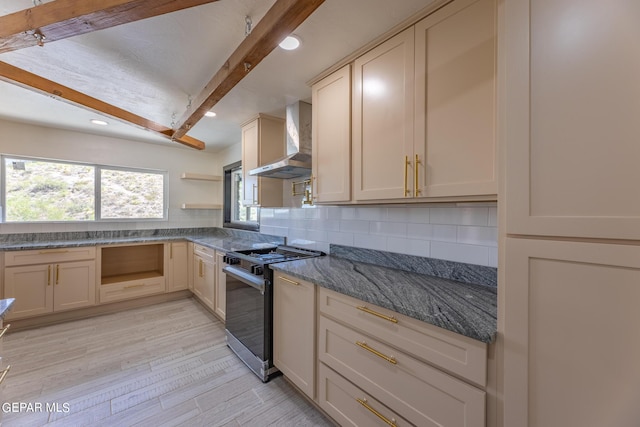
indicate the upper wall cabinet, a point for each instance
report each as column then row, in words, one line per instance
column 331, row 127
column 572, row 119
column 424, row 109
column 262, row 142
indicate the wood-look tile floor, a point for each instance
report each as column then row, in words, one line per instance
column 162, row 365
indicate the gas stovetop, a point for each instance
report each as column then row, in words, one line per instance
column 253, row 260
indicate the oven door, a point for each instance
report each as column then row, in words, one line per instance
column 247, row 310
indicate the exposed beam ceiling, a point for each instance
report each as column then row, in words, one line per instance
column 23, row 78
column 283, row 17
column 61, row 19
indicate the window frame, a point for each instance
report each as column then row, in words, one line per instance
column 227, row 209
column 97, row 199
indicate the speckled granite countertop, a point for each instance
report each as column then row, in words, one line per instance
column 464, row 308
column 215, row 238
column 5, row 305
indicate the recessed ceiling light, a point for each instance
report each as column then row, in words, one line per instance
column 290, row 43
column 210, row 114
column 99, row 122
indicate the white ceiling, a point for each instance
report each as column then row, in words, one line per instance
column 152, row 67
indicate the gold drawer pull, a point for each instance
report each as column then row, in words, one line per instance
column 57, row 274
column 4, row 330
column 391, row 422
column 4, row 373
column 134, row 286
column 49, row 275
column 293, row 282
column 406, row 173
column 375, row 313
column 389, row 359
column 416, row 178
column 54, row 251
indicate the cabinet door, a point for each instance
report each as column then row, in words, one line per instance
column 32, row 288
column 178, row 266
column 455, row 126
column 74, row 285
column 249, row 161
column 571, row 334
column 204, row 280
column 572, row 112
column 220, row 299
column 331, row 127
column 383, row 124
column 294, row 331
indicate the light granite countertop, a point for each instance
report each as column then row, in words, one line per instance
column 464, row 308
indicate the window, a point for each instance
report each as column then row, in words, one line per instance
column 49, row 190
column 236, row 215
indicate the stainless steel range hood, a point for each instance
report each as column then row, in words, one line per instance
column 298, row 160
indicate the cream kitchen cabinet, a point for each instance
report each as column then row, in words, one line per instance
column 204, row 271
column 178, row 277
column 220, row 294
column 391, row 364
column 424, row 112
column 331, row 128
column 48, row 281
column 263, row 141
column 294, row 331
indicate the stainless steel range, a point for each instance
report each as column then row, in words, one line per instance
column 249, row 311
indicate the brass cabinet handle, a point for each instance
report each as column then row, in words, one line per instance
column 49, row 275
column 375, row 313
column 293, row 282
column 134, row 286
column 170, row 250
column 389, row 359
column 406, row 173
column 57, row 274
column 4, row 373
column 200, row 268
column 4, row 330
column 363, row 402
column 416, row 187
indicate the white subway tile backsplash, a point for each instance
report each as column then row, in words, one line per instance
column 462, row 253
column 369, row 241
column 409, row 247
column 457, row 233
column 486, row 236
column 388, row 228
column 354, row 226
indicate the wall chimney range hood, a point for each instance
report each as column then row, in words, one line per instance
column 298, row 159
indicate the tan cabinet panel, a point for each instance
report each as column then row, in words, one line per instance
column 32, row 288
column 383, row 111
column 294, row 326
column 263, row 141
column 47, row 256
column 220, row 297
column 178, row 277
column 572, row 119
column 74, row 285
column 455, row 133
column 571, row 334
column 331, row 127
column 204, row 279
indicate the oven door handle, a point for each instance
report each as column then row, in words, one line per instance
column 247, row 278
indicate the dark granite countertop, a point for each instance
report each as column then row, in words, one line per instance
column 223, row 240
column 5, row 305
column 464, row 308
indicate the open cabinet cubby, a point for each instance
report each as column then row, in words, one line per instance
column 128, row 263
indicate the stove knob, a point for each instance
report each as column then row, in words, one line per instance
column 230, row 260
column 257, row 269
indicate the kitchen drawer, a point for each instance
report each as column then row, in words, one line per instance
column 457, row 354
column 423, row 394
column 207, row 254
column 345, row 402
column 132, row 289
column 48, row 256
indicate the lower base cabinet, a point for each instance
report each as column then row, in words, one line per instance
column 220, row 301
column 294, row 331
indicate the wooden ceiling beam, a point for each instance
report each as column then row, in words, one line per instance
column 283, row 17
column 27, row 80
column 61, row 19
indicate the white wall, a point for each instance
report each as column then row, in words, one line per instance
column 28, row 140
